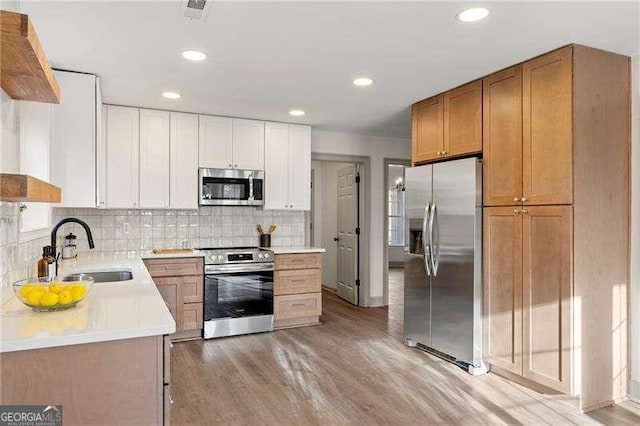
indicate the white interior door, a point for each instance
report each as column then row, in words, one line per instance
column 347, row 237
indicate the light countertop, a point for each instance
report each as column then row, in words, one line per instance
column 111, row 311
column 293, row 250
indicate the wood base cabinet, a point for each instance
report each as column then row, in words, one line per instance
column 297, row 290
column 528, row 292
column 113, row 382
column 181, row 285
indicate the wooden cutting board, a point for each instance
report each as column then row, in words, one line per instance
column 168, row 251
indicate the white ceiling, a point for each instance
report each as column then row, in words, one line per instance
column 267, row 58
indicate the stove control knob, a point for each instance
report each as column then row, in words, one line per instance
column 260, row 256
column 220, row 257
column 266, row 255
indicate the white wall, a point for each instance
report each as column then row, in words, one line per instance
column 377, row 149
column 634, row 385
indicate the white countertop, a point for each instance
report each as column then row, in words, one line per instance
column 111, row 311
column 293, row 250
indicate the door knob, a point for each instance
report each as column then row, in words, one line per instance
column 336, row 239
column 516, row 199
column 516, row 211
column 523, row 199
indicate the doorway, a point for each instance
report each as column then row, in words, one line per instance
column 335, row 225
column 396, row 234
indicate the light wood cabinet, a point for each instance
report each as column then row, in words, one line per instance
column 547, row 135
column 183, row 163
column 180, row 282
column 154, row 158
column 528, row 292
column 427, row 138
column 297, row 290
column 74, row 139
column 463, row 120
column 502, row 282
column 448, row 125
column 502, row 140
column 287, row 167
column 547, row 289
column 122, row 157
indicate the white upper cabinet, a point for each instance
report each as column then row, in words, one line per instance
column 123, row 144
column 74, row 139
column 216, row 142
column 154, row 159
column 299, row 167
column 184, row 161
column 276, row 185
column 248, row 144
column 231, row 143
column 287, row 167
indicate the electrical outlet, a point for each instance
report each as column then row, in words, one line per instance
column 125, row 227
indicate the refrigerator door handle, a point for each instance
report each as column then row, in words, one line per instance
column 432, row 253
column 426, row 245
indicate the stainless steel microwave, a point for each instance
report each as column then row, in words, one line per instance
column 231, row 187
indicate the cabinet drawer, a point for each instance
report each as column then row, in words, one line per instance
column 174, row 267
column 192, row 316
column 297, row 281
column 191, row 289
column 297, row 261
column 297, row 306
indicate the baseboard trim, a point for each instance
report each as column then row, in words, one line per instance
column 375, row 302
column 332, row 290
column 396, row 264
column 524, row 381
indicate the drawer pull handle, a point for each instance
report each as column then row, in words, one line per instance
column 173, row 267
column 294, row 305
column 298, row 281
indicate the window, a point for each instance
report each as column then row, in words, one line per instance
column 396, row 205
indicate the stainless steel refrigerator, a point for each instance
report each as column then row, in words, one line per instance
column 443, row 261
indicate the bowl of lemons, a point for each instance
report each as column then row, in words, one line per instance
column 50, row 294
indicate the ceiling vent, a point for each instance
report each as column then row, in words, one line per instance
column 195, row 10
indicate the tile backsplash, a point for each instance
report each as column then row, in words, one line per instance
column 18, row 260
column 133, row 230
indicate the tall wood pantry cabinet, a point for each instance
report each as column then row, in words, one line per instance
column 556, row 143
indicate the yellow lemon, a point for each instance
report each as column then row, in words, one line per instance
column 49, row 299
column 34, row 297
column 56, row 287
column 41, row 288
column 26, row 290
column 78, row 292
column 65, row 297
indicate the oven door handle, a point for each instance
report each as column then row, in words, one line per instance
column 239, row 268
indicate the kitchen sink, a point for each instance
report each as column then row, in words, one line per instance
column 103, row 276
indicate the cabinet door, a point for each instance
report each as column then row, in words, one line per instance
column 216, row 142
column 463, row 119
column 123, row 144
column 191, row 316
column 169, row 289
column 548, row 129
column 547, row 293
column 502, row 269
column 299, row 167
column 427, row 127
column 73, row 151
column 276, row 166
column 183, row 190
column 154, row 159
column 502, row 144
column 248, row 144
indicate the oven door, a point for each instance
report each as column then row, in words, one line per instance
column 238, row 294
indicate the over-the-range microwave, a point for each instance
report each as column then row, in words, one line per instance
column 231, row 187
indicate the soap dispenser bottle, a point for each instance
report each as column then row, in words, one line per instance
column 45, row 265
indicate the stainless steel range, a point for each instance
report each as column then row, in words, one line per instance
column 238, row 291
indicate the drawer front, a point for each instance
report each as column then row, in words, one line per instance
column 297, row 306
column 297, row 281
column 192, row 316
column 174, row 267
column 191, row 289
column 297, row 261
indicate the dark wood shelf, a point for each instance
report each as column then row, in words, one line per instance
column 16, row 188
column 25, row 73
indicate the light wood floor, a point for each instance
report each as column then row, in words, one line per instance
column 352, row 369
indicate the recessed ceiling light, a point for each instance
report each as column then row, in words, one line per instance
column 194, row 55
column 171, row 95
column 473, row 14
column 296, row 112
column 363, row 81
